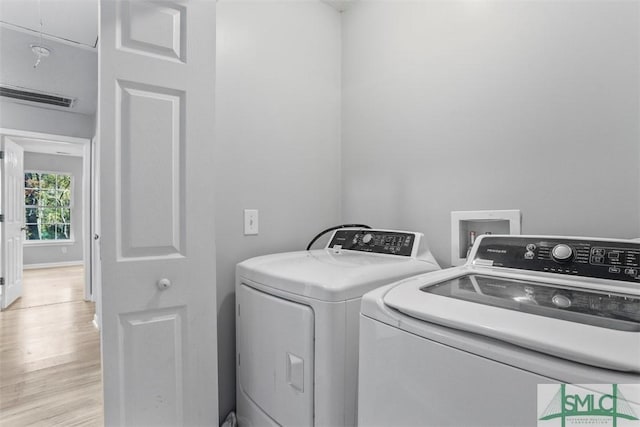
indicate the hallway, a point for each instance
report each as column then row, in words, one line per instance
column 50, row 353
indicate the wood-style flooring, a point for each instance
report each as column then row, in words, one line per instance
column 50, row 354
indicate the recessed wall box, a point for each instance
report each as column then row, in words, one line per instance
column 467, row 225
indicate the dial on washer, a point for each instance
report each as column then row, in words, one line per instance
column 562, row 253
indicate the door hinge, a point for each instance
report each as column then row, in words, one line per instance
column 1, row 155
column 1, row 281
column 1, row 217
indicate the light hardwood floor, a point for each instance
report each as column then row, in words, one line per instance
column 50, row 354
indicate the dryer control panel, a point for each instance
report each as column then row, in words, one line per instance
column 376, row 241
column 614, row 260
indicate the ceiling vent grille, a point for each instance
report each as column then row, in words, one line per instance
column 30, row 96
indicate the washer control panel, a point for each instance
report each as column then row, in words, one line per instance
column 376, row 241
column 615, row 260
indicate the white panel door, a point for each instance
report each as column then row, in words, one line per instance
column 157, row 65
column 13, row 224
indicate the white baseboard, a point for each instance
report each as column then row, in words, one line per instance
column 52, row 265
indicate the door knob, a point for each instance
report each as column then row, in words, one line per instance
column 163, row 284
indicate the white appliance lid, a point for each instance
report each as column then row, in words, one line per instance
column 590, row 307
column 329, row 275
column 486, row 314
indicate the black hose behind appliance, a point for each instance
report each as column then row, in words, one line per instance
column 323, row 232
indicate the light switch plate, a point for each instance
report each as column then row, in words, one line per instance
column 250, row 222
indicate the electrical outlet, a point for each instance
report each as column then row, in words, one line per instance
column 250, row 222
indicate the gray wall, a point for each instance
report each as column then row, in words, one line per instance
column 492, row 105
column 35, row 119
column 55, row 253
column 278, row 141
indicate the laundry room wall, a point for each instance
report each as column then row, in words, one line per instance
column 278, row 141
column 470, row 105
column 25, row 117
column 39, row 254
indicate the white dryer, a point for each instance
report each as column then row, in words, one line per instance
column 297, row 324
column 468, row 346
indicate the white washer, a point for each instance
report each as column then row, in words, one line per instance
column 467, row 346
column 297, row 324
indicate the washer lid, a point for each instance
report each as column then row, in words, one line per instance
column 592, row 327
column 596, row 308
column 329, row 275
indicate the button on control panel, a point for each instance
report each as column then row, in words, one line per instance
column 617, row 260
column 376, row 241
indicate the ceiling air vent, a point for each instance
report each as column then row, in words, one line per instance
column 30, row 96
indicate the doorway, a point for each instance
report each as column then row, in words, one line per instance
column 49, row 341
column 58, row 198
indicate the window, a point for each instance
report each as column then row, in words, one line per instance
column 47, row 199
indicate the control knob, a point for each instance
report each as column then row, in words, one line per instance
column 562, row 253
column 367, row 238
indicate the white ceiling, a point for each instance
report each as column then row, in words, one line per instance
column 70, row 31
column 73, row 20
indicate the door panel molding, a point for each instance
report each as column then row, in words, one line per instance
column 153, row 28
column 150, row 222
column 159, row 401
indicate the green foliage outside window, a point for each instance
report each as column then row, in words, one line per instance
column 47, row 206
